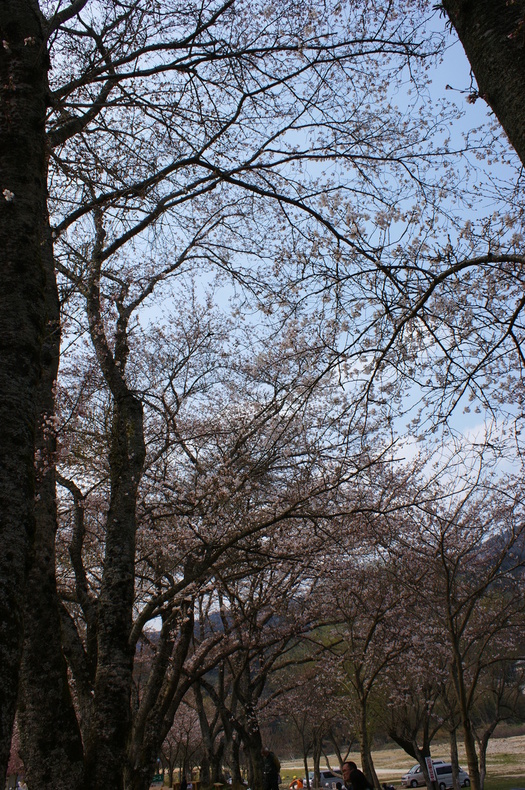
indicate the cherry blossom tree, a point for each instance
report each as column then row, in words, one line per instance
column 468, row 548
column 183, row 744
column 499, row 698
column 184, row 141
column 371, row 634
column 223, row 484
column 151, row 112
column 413, row 688
column 307, row 702
column 265, row 607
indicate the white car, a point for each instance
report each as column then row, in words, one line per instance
column 443, row 771
column 444, row 776
column 327, row 779
column 414, row 777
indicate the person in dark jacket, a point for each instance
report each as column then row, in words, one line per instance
column 271, row 768
column 354, row 778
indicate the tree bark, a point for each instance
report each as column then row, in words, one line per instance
column 252, row 747
column 158, row 705
column 106, row 751
column 454, row 758
column 483, row 743
column 51, row 742
column 493, row 36
column 105, row 746
column 213, row 748
column 365, row 747
column 23, row 86
column 468, row 735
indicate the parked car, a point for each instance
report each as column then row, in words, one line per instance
column 414, row 777
column 443, row 771
column 327, row 779
column 444, row 776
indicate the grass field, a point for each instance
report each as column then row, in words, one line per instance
column 505, row 764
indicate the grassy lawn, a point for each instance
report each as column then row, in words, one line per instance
column 504, row 783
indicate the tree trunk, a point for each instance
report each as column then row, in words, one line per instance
column 493, row 35
column 317, row 751
column 253, row 746
column 454, row 759
column 106, row 744
column 235, row 762
column 306, row 768
column 468, row 735
column 23, row 85
column 106, row 749
column 159, row 702
column 207, row 738
column 483, row 744
column 52, row 746
column 367, row 763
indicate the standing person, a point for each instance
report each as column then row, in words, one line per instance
column 354, row 778
column 271, row 768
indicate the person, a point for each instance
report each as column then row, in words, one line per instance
column 296, row 784
column 184, row 783
column 355, row 779
column 271, row 768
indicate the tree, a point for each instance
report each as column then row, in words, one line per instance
column 499, row 698
column 177, row 138
column 311, row 709
column 492, row 35
column 264, row 607
column 227, row 485
column 412, row 689
column 25, row 267
column 469, row 544
column 118, row 169
column 372, row 634
column 182, row 746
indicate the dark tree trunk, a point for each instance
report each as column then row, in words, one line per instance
column 493, row 35
column 464, row 712
column 235, row 762
column 106, row 743
column 483, row 743
column 209, row 739
column 107, row 746
column 161, row 698
column 252, row 747
column 316, row 756
column 23, row 83
column 365, row 746
column 52, row 747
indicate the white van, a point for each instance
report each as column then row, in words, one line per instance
column 327, row 779
column 415, row 777
column 443, row 771
column 444, row 776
